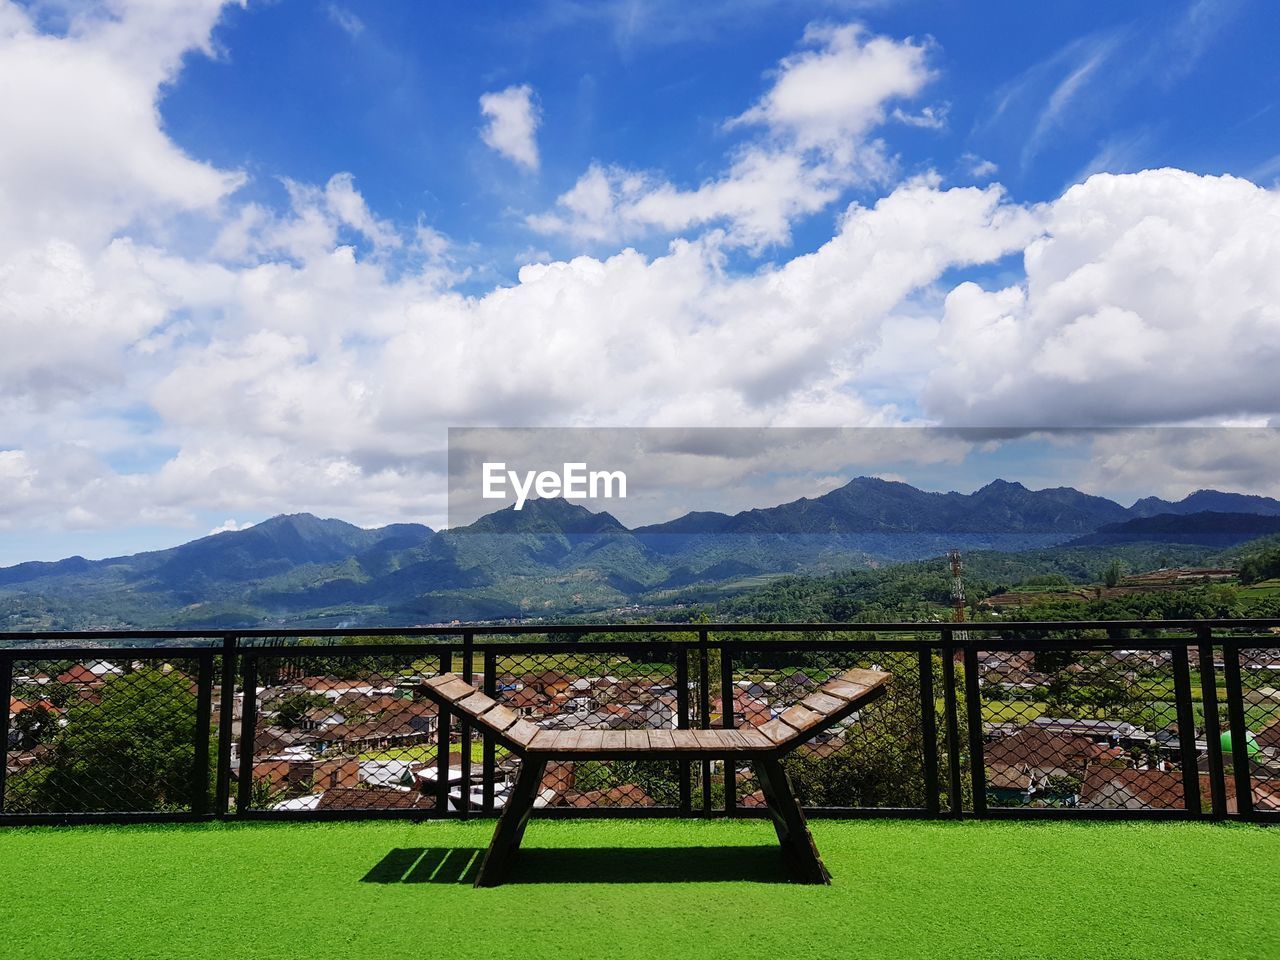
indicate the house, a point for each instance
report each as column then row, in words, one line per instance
column 532, row 703
column 549, row 683
column 373, row 735
column 318, row 719
column 1109, row 788
column 80, row 675
column 624, row 795
column 334, row 688
column 358, row 798
column 292, row 775
column 1114, row 731
column 747, row 710
column 1030, row 760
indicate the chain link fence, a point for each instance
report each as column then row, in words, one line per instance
column 1074, row 723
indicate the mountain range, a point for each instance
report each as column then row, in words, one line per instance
column 555, row 558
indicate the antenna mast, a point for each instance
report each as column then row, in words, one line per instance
column 957, row 593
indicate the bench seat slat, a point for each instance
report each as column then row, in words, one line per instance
column 823, row 703
column 800, row 718
column 476, row 704
column 500, row 718
column 834, row 701
column 455, row 690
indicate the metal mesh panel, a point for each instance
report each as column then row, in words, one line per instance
column 1089, row 729
column 874, row 759
column 596, row 691
column 111, row 735
column 346, row 732
column 1260, row 686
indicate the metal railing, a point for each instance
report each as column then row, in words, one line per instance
column 1087, row 719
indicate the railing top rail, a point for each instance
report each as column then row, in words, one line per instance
column 37, row 639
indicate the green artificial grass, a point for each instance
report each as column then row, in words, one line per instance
column 642, row 889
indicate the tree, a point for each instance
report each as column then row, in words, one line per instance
column 290, row 711
column 34, row 725
column 133, row 749
column 1113, row 574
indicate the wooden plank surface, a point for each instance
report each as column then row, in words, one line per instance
column 499, row 718
column 661, row 740
column 613, row 740
column 823, row 703
column 843, row 689
column 777, row 731
column 477, row 704
column 522, row 732
column 545, row 740
column 571, row 739
column 684, row 739
column 637, row 739
column 800, row 717
column 868, row 678
column 456, row 689
column 754, row 739
column 590, row 739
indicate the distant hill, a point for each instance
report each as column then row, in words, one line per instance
column 1205, row 529
column 1208, row 501
column 555, row 558
column 871, row 505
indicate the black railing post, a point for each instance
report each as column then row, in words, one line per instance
column 6, row 698
column 1239, row 732
column 490, row 766
column 973, row 713
column 704, row 713
column 1186, row 730
column 248, row 734
column 464, row 728
column 951, row 715
column 442, row 746
column 728, row 720
column 1212, row 724
column 226, row 719
column 929, row 729
column 682, row 722
column 204, row 713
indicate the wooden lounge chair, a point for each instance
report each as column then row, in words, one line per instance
column 763, row 746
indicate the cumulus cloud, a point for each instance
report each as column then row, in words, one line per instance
column 513, row 124
column 831, row 95
column 1152, row 297
column 810, row 143
column 84, row 150
column 313, row 356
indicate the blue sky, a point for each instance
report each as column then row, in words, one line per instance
column 259, row 257
column 388, row 91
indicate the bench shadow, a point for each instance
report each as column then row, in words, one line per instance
column 427, row 865
column 754, row 864
column 536, row 865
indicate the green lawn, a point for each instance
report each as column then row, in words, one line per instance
column 642, row 889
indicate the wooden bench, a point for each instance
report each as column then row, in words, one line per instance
column 763, row 746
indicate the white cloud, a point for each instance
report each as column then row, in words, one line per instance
column 347, row 21
column 929, row 118
column 513, row 124
column 830, row 96
column 229, row 526
column 83, row 148
column 810, row 143
column 978, row 167
column 1152, row 297
column 313, row 357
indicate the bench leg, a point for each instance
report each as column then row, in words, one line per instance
column 510, row 829
column 793, row 832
